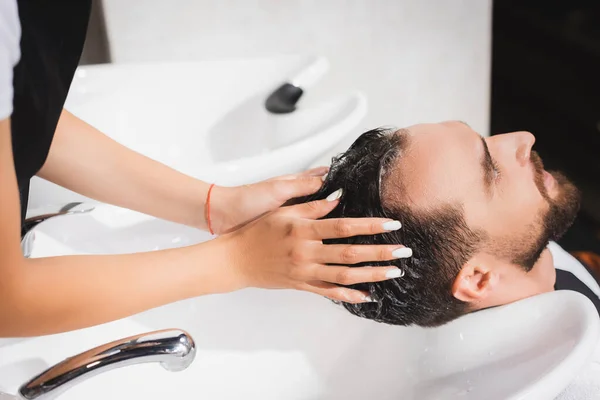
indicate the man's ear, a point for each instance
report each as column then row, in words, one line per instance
column 474, row 282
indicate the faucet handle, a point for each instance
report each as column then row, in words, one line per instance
column 174, row 349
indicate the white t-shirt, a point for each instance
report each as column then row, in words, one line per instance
column 10, row 35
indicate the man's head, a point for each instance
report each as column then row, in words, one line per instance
column 477, row 213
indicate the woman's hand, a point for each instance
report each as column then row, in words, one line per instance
column 284, row 249
column 233, row 207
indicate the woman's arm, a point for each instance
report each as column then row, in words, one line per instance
column 88, row 162
column 49, row 295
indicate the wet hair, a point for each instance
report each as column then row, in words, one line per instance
column 440, row 238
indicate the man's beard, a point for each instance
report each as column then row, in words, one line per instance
column 554, row 222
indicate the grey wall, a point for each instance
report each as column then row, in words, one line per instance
column 96, row 49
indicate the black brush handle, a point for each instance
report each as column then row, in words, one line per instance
column 283, row 100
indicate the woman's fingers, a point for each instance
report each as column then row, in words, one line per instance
column 318, row 208
column 348, row 227
column 338, row 293
column 286, row 189
column 318, row 171
column 347, row 254
column 342, row 275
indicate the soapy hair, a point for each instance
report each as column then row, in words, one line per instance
column 440, row 239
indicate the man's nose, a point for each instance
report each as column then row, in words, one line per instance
column 523, row 142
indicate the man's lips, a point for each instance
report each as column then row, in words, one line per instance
column 549, row 180
column 542, row 178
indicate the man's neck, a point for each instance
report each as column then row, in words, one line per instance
column 546, row 272
column 520, row 284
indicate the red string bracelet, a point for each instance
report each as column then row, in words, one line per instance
column 207, row 209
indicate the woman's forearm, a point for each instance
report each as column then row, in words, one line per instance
column 88, row 162
column 49, row 295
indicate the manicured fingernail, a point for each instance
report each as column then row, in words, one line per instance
column 392, row 225
column 369, row 299
column 335, row 195
column 402, row 252
column 394, row 273
column 324, row 177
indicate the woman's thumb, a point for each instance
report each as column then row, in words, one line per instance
column 301, row 186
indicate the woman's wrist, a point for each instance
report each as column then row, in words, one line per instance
column 218, row 271
column 218, row 208
column 203, row 207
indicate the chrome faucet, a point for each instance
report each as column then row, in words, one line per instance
column 173, row 349
column 28, row 235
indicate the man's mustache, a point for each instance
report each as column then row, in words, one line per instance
column 538, row 173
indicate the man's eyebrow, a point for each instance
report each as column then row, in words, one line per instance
column 487, row 167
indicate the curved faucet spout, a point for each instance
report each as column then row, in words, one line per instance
column 173, row 349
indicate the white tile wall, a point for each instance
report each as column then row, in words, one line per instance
column 416, row 60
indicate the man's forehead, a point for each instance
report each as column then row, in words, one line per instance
column 436, row 164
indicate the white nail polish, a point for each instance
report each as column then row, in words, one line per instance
column 394, row 273
column 324, row 177
column 402, row 252
column 370, row 299
column 392, row 225
column 335, row 195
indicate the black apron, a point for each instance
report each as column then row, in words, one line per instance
column 52, row 37
column 567, row 281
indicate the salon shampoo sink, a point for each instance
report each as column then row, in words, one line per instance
column 294, row 345
column 186, row 116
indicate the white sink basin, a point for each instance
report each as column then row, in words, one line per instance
column 171, row 112
column 293, row 345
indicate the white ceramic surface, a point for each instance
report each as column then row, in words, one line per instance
column 293, row 345
column 174, row 113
